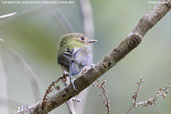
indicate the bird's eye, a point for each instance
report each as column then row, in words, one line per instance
column 82, row 38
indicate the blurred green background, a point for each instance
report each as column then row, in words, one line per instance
column 34, row 32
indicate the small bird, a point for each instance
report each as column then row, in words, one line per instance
column 74, row 53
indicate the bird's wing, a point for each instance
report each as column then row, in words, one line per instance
column 65, row 58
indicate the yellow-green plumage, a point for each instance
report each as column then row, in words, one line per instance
column 69, row 43
column 74, row 53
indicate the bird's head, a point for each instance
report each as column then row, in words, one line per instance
column 75, row 37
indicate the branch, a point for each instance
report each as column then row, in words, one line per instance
column 162, row 92
column 110, row 60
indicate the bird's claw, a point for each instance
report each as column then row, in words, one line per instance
column 93, row 66
column 73, row 85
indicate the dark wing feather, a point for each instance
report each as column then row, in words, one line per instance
column 64, row 59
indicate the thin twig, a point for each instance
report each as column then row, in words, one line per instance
column 61, row 19
column 51, row 87
column 138, row 89
column 151, row 101
column 130, row 109
column 3, row 77
column 134, row 97
column 3, row 84
column 87, row 14
column 29, row 71
column 103, row 93
column 26, row 14
column 2, row 39
column 8, row 15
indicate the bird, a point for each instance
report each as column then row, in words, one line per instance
column 75, row 54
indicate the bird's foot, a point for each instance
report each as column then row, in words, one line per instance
column 83, row 71
column 73, row 85
column 87, row 68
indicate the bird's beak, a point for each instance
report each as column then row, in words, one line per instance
column 92, row 41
